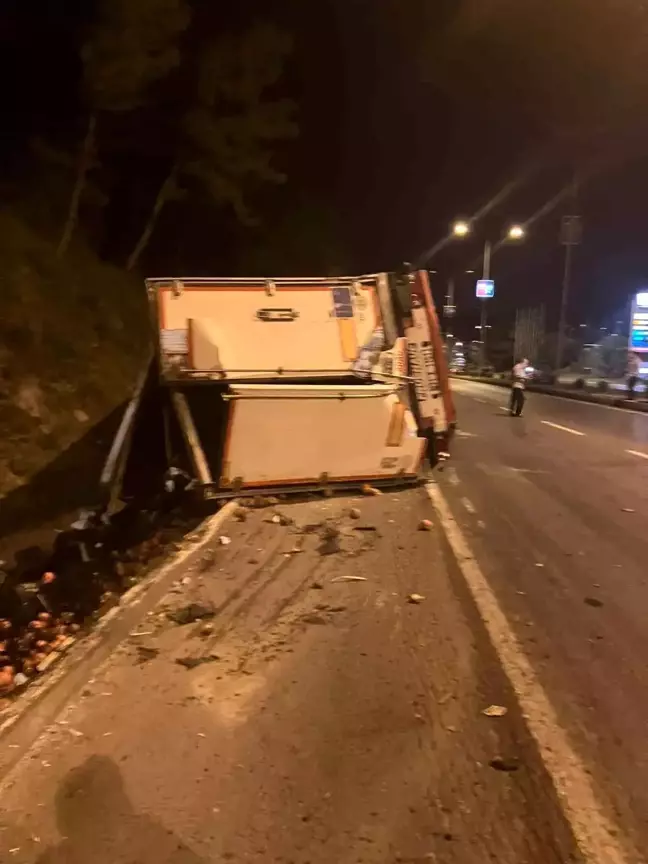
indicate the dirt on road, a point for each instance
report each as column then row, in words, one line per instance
column 310, row 692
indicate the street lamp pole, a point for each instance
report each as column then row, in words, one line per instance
column 516, row 233
column 570, row 235
column 566, row 283
column 484, row 309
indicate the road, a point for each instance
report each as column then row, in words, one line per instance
column 323, row 715
column 554, row 508
column 330, row 718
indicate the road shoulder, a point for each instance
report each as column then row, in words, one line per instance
column 322, row 714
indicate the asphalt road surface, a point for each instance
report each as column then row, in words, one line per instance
column 554, row 507
column 324, row 715
column 328, row 717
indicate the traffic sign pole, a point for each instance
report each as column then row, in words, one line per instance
column 484, row 308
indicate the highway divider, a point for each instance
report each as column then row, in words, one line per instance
column 576, row 394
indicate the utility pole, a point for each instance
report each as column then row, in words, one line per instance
column 484, row 313
column 571, row 233
column 566, row 284
column 450, row 309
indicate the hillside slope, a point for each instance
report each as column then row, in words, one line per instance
column 73, row 334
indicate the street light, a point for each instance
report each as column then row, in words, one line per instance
column 515, row 233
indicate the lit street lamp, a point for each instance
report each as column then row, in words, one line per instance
column 515, row 233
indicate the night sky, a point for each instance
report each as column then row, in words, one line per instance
column 412, row 113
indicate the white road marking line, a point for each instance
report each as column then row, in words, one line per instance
column 453, row 478
column 468, row 505
column 461, row 434
column 563, row 428
column 637, row 453
column 505, row 408
column 481, row 401
column 596, row 835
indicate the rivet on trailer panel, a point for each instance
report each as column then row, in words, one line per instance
column 177, row 288
column 270, row 288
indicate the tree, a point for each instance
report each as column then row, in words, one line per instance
column 227, row 132
column 304, row 238
column 132, row 45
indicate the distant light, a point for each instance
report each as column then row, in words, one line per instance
column 582, row 325
column 516, row 232
column 468, row 272
column 461, row 229
column 642, row 299
column 458, row 344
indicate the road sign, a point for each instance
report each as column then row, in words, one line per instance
column 485, row 289
column 571, row 230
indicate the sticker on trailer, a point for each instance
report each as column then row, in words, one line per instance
column 424, row 371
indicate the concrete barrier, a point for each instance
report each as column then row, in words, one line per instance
column 576, row 395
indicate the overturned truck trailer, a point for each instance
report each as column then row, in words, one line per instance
column 285, row 385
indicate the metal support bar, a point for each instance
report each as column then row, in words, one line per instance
column 192, row 440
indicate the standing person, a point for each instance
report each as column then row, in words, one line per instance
column 517, row 388
column 632, row 372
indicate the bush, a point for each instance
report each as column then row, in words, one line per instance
column 602, row 386
column 579, row 384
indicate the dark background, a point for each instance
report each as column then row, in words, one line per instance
column 411, row 113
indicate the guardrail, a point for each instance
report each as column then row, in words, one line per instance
column 576, row 394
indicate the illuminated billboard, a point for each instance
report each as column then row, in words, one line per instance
column 639, row 323
column 486, row 289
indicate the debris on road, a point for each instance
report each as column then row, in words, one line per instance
column 191, row 613
column 507, row 765
column 594, row 602
column 331, row 540
column 349, row 579
column 74, row 732
column 354, row 513
column 415, row 598
column 627, row 510
column 314, row 619
column 145, row 653
column 425, row 525
column 495, row 711
column 190, row 663
column 371, row 490
column 224, row 541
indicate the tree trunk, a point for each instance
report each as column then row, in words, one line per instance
column 83, row 166
column 161, row 199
